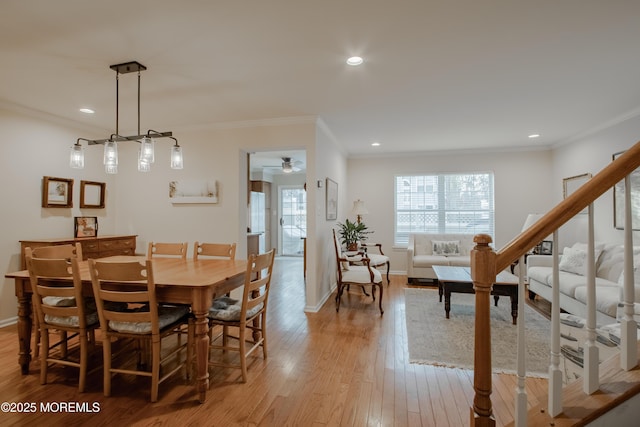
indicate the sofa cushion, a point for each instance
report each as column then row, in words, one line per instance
column 610, row 263
column 459, row 261
column 422, row 244
column 445, row 247
column 607, row 298
column 540, row 274
column 569, row 282
column 429, row 260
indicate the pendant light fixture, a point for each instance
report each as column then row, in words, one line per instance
column 146, row 150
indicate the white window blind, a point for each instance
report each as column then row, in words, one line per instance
column 443, row 203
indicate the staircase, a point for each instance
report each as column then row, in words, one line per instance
column 602, row 387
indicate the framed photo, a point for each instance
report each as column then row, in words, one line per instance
column 546, row 247
column 618, row 200
column 57, row 192
column 332, row 200
column 85, row 226
column 92, row 195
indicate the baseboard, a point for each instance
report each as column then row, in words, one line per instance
column 8, row 322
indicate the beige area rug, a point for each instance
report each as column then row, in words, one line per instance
column 435, row 340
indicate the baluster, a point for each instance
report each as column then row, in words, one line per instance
column 628, row 327
column 591, row 354
column 521, row 393
column 555, row 374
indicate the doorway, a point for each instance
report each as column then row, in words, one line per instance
column 293, row 219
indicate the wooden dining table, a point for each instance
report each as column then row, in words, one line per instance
column 177, row 281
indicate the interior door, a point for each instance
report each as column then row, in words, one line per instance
column 293, row 220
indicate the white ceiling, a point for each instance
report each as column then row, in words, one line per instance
column 438, row 75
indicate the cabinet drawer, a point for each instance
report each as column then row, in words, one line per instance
column 110, row 245
column 125, row 251
column 91, row 246
column 90, row 254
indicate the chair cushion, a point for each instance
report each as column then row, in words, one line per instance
column 59, row 301
column 71, row 321
column 228, row 309
column 377, row 259
column 166, row 316
column 360, row 274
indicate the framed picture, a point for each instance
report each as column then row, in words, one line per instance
column 619, row 196
column 85, row 226
column 332, row 200
column 546, row 247
column 56, row 192
column 92, row 195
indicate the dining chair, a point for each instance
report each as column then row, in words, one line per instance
column 145, row 321
column 247, row 314
column 349, row 274
column 167, row 249
column 52, row 252
column 60, row 306
column 217, row 250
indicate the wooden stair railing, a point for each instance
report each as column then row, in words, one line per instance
column 485, row 263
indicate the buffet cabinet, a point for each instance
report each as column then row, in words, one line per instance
column 92, row 247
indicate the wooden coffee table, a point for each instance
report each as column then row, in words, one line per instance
column 458, row 279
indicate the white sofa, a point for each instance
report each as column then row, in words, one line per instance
column 573, row 281
column 421, row 256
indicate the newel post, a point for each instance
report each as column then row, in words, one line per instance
column 483, row 274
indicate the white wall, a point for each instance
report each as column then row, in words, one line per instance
column 591, row 154
column 34, row 147
column 522, row 185
column 330, row 162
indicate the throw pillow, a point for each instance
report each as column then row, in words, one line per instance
column 446, row 247
column 573, row 261
column 597, row 249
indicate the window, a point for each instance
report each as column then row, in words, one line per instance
column 443, row 203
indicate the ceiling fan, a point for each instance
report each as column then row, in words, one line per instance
column 288, row 165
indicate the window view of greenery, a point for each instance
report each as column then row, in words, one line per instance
column 443, row 203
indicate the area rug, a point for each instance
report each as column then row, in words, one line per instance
column 434, row 340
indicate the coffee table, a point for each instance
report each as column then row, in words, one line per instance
column 458, row 279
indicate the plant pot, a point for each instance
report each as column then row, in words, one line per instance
column 352, row 246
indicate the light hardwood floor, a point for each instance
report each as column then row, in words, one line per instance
column 325, row 368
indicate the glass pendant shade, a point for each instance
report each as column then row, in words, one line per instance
column 147, row 149
column 144, row 165
column 76, row 158
column 111, row 157
column 176, row 157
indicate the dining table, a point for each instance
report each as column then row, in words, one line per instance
column 178, row 281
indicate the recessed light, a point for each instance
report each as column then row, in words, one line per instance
column 355, row 60
column 375, row 144
column 535, row 135
column 87, row 110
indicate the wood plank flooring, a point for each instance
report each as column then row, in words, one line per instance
column 324, row 369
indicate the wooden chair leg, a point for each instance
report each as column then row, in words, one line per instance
column 84, row 354
column 106, row 347
column 44, row 354
column 155, row 370
column 243, row 356
column 380, row 302
column 263, row 331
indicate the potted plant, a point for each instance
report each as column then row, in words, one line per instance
column 351, row 233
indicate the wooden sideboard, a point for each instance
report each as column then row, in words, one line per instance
column 92, row 247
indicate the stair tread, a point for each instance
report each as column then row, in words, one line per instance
column 616, row 386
